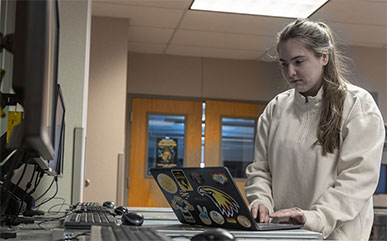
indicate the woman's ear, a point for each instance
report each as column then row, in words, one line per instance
column 325, row 58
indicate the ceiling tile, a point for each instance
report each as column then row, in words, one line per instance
column 354, row 11
column 358, row 34
column 139, row 16
column 172, row 4
column 233, row 23
column 146, row 48
column 222, row 40
column 149, row 34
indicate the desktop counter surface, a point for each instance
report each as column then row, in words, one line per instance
column 163, row 219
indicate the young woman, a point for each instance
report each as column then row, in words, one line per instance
column 318, row 145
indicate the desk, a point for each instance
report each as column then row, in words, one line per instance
column 163, row 219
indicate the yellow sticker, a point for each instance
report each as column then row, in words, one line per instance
column 182, row 180
column 14, row 118
column 167, row 183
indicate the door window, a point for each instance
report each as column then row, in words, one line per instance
column 165, row 141
column 237, row 144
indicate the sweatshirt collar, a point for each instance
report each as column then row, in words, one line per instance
column 308, row 102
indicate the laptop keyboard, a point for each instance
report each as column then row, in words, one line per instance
column 126, row 233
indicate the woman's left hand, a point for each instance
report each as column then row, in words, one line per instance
column 295, row 215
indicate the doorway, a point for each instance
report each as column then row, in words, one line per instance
column 181, row 133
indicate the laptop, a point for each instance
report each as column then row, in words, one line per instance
column 208, row 196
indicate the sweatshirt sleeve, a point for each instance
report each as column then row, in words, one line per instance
column 358, row 170
column 258, row 183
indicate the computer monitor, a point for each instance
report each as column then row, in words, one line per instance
column 55, row 166
column 35, row 52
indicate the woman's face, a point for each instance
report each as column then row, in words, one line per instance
column 301, row 67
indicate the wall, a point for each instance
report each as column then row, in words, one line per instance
column 179, row 76
column 106, row 107
column 73, row 76
column 371, row 72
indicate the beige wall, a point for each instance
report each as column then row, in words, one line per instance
column 370, row 65
column 180, row 76
column 106, row 107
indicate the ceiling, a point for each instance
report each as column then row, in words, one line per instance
column 169, row 27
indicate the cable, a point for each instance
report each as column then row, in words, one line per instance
column 58, row 204
column 52, row 219
column 56, row 192
column 37, row 182
column 24, row 193
column 46, row 190
column 22, row 175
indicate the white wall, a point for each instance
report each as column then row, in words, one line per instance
column 107, row 105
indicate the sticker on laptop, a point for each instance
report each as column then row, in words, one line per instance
column 184, row 194
column 231, row 220
column 203, row 215
column 216, row 217
column 167, row 183
column 219, row 177
column 185, row 207
column 245, row 222
column 197, row 178
column 182, row 180
column 226, row 204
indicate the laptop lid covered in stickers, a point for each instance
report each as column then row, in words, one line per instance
column 208, row 196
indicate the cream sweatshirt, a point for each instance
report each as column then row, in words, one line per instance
column 334, row 191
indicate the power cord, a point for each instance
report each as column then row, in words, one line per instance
column 49, row 199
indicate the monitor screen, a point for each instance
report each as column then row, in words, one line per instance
column 55, row 165
column 35, row 52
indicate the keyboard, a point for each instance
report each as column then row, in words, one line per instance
column 92, row 207
column 126, row 233
column 86, row 219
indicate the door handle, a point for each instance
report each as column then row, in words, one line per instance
column 87, row 182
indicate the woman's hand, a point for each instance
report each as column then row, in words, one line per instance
column 295, row 215
column 260, row 212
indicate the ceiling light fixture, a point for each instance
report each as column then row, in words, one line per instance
column 275, row 8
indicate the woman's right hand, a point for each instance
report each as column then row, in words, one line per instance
column 260, row 212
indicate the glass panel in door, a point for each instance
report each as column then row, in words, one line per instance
column 237, row 144
column 165, row 141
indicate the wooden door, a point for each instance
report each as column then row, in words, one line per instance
column 215, row 110
column 143, row 190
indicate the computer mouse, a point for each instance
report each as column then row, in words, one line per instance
column 109, row 204
column 121, row 210
column 132, row 218
column 214, row 234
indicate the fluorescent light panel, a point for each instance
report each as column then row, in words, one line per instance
column 275, row 8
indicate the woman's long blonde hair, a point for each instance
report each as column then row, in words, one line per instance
column 318, row 37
